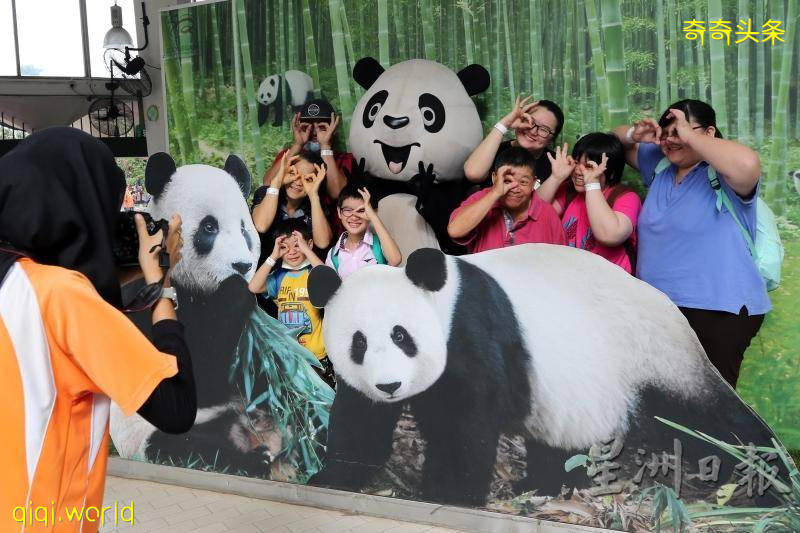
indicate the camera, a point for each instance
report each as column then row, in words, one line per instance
column 125, row 238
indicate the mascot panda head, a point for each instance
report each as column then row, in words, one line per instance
column 401, row 350
column 220, row 238
column 417, row 111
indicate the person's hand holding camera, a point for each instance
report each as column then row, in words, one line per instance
column 151, row 245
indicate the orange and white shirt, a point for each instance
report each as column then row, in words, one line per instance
column 65, row 353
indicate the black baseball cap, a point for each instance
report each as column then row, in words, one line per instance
column 317, row 110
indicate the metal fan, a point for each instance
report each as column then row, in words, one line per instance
column 111, row 117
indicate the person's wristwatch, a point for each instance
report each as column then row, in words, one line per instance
column 170, row 294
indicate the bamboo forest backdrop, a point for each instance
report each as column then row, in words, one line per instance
column 605, row 62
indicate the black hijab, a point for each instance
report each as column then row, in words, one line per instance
column 60, row 192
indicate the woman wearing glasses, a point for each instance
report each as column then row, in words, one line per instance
column 536, row 125
column 688, row 247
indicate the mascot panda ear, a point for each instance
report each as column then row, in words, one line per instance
column 236, row 168
column 366, row 71
column 159, row 170
column 475, row 79
column 323, row 282
column 427, row 269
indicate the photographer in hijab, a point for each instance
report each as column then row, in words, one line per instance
column 66, row 350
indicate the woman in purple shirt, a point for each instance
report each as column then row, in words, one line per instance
column 688, row 247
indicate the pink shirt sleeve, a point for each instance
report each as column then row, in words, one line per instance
column 474, row 197
column 629, row 205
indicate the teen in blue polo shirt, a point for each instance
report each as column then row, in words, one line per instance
column 689, row 249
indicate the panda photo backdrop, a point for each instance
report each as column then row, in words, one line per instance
column 262, row 410
column 235, row 71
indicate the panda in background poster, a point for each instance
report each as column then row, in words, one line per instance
column 294, row 88
column 549, row 342
column 235, row 347
column 411, row 132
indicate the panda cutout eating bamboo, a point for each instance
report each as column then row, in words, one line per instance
column 411, row 132
column 548, row 342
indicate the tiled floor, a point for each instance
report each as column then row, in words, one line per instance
column 170, row 509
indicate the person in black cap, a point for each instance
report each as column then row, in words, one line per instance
column 313, row 128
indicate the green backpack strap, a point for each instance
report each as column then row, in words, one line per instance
column 662, row 165
column 723, row 199
column 377, row 251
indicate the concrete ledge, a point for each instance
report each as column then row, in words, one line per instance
column 384, row 507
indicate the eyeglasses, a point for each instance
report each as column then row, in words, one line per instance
column 541, row 131
column 347, row 211
column 674, row 133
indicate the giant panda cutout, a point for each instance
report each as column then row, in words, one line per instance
column 550, row 342
column 294, row 88
column 411, row 132
column 219, row 257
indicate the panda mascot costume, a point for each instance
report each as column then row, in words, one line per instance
column 549, row 342
column 231, row 340
column 293, row 88
column 410, row 133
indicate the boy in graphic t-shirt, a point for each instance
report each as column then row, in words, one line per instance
column 287, row 285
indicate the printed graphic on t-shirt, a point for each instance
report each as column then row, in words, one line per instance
column 293, row 314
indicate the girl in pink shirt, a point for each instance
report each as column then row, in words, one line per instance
column 597, row 212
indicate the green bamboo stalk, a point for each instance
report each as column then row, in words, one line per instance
column 355, row 88
column 497, row 74
column 702, row 81
column 743, row 71
column 383, row 33
column 760, row 78
column 689, row 90
column 776, row 182
column 775, row 13
column 673, row 50
column 200, row 20
column 342, row 74
column 176, row 110
column 400, row 31
column 663, row 88
column 611, row 16
column 268, row 16
column 468, row 46
column 566, row 65
column 479, row 24
column 281, row 45
column 237, row 76
column 509, row 55
column 598, row 59
column 219, row 80
column 250, row 87
column 185, row 30
column 452, row 32
column 311, row 49
column 291, row 41
column 581, row 34
column 717, row 47
column 428, row 29
column 535, row 41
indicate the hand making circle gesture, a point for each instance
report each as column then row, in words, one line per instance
column 562, row 165
column 326, row 130
column 520, row 114
column 646, row 130
column 592, row 175
column 503, row 181
column 301, row 131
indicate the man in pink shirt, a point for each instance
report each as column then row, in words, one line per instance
column 509, row 212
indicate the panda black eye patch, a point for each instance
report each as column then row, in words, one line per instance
column 205, row 235
column 358, row 348
column 404, row 341
column 373, row 107
column 247, row 239
column 432, row 112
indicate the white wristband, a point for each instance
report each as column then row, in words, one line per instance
column 629, row 135
column 272, row 191
column 592, row 186
column 325, row 152
column 270, row 261
column 501, row 128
